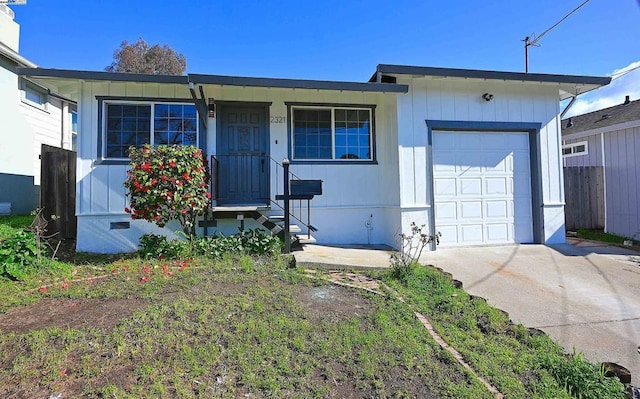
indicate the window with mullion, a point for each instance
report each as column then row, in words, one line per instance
column 131, row 124
column 332, row 133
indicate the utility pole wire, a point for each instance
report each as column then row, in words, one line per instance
column 528, row 42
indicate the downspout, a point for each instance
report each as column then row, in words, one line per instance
column 604, row 180
column 573, row 100
column 64, row 124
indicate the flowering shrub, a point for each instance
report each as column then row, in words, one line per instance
column 167, row 183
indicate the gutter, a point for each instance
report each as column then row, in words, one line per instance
column 573, row 100
column 15, row 57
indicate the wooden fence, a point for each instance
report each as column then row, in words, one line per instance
column 584, row 196
column 58, row 190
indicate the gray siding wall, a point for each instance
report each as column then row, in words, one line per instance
column 20, row 192
column 593, row 158
column 622, row 173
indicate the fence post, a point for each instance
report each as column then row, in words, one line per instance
column 287, row 235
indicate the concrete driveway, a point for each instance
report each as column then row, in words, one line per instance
column 585, row 295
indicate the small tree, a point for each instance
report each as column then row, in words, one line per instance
column 168, row 183
column 140, row 57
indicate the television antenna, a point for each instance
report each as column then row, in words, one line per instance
column 533, row 41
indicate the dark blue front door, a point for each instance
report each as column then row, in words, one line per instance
column 243, row 164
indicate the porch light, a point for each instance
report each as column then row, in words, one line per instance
column 211, row 107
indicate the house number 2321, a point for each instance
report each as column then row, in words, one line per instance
column 278, row 119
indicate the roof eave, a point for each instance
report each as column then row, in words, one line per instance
column 213, row 79
column 491, row 75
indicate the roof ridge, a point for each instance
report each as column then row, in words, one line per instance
column 603, row 109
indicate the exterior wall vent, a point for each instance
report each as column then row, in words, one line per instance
column 119, row 225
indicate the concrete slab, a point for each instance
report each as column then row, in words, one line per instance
column 585, row 295
column 344, row 256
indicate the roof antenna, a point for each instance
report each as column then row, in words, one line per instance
column 529, row 41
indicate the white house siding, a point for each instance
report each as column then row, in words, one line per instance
column 457, row 99
column 352, row 193
column 622, row 175
column 47, row 126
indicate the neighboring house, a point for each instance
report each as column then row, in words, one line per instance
column 472, row 154
column 610, row 138
column 30, row 115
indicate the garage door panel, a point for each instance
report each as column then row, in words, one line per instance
column 491, row 141
column 470, row 186
column 482, row 188
column 444, row 161
column 470, row 142
column 447, row 210
column 449, row 234
column 471, row 209
column 445, row 187
column 497, row 209
column 498, row 232
column 471, row 234
column 496, row 186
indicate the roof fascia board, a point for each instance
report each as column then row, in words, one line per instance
column 493, row 75
column 97, row 75
column 603, row 129
column 297, row 83
column 15, row 57
column 213, row 79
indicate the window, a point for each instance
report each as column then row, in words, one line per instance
column 34, row 95
column 74, row 130
column 575, row 149
column 332, row 133
column 135, row 124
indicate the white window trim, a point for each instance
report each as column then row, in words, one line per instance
column 24, row 85
column 333, row 133
column 105, row 118
column 573, row 147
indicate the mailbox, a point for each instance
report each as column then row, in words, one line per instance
column 305, row 188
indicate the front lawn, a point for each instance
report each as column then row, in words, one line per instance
column 252, row 327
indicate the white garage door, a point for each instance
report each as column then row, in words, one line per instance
column 482, row 188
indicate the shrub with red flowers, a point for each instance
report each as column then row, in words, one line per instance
column 168, row 183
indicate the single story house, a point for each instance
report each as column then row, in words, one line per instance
column 472, row 154
column 30, row 115
column 610, row 138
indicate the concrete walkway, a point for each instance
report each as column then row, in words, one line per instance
column 584, row 294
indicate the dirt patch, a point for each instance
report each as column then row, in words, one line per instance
column 67, row 313
column 333, row 301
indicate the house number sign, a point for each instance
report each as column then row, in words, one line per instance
column 278, row 119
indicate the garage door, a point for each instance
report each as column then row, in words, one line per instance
column 482, row 188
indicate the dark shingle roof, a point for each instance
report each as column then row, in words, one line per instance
column 602, row 118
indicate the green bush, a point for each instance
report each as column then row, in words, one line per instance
column 250, row 242
column 18, row 254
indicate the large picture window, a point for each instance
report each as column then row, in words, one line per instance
column 332, row 133
column 136, row 124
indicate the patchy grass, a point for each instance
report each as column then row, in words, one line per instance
column 238, row 326
column 519, row 362
column 600, row 235
column 10, row 224
column 126, row 327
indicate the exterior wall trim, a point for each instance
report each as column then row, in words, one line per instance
column 533, row 128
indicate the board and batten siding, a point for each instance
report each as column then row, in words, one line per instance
column 457, row 99
column 622, row 176
column 352, row 194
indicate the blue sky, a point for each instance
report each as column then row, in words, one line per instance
column 337, row 40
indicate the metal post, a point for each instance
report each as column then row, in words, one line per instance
column 309, row 219
column 285, row 196
column 527, row 43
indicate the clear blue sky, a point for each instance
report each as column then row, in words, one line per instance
column 336, row 40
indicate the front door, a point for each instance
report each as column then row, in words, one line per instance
column 243, row 164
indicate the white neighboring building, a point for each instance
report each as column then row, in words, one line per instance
column 472, row 154
column 31, row 114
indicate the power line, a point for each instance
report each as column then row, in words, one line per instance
column 528, row 42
